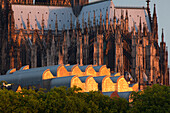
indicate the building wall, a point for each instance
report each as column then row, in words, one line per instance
column 121, row 49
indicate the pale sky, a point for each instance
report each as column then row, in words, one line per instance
column 162, row 8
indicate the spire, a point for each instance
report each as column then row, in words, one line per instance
column 83, row 23
column 110, row 23
column 154, row 12
column 71, row 24
column 36, row 26
column 88, row 21
column 28, row 23
column 122, row 14
column 94, row 22
column 122, row 17
column 103, row 25
column 42, row 26
column 154, row 23
column 162, row 35
column 126, row 14
column 107, row 21
column 144, row 30
column 100, row 21
column 148, row 9
column 68, row 38
column 97, row 27
column 114, row 17
column 77, row 23
column 147, row 1
column 56, row 25
column 21, row 26
column 127, row 21
column 134, row 30
column 140, row 24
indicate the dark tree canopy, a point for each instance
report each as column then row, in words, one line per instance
column 155, row 99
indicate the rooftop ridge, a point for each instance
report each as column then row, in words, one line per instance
column 41, row 5
column 91, row 3
column 128, row 7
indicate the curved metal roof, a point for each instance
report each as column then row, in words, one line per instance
column 113, row 74
column 23, row 67
column 69, row 68
column 83, row 68
column 99, row 79
column 83, row 78
column 131, row 85
column 114, row 79
column 97, row 68
column 124, row 95
column 61, row 81
column 107, row 93
column 25, row 77
column 53, row 69
column 10, row 71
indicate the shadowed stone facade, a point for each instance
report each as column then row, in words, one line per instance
column 125, row 39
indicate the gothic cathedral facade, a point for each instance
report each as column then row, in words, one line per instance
column 51, row 32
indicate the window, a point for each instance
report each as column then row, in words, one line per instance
column 38, row 12
column 51, row 20
column 21, row 11
column 30, row 12
column 59, row 20
column 18, row 19
column 46, row 12
column 54, row 13
column 62, row 13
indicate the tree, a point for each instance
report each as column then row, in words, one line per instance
column 155, row 99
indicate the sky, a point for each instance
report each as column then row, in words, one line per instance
column 162, row 8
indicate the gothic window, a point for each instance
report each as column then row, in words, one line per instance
column 38, row 12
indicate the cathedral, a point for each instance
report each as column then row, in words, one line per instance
column 51, row 32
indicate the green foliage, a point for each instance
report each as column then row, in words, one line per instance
column 69, row 100
column 155, row 99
